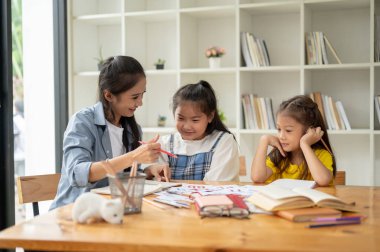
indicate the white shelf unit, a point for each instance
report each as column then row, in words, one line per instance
column 180, row 30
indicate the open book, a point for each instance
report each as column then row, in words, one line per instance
column 150, row 187
column 274, row 198
column 294, row 183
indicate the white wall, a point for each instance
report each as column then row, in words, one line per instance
column 38, row 88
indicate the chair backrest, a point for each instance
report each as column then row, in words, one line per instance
column 340, row 178
column 32, row 189
column 242, row 167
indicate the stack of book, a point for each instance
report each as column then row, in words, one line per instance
column 257, row 112
column 316, row 49
column 333, row 113
column 377, row 106
column 254, row 50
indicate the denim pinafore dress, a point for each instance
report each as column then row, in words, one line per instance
column 191, row 167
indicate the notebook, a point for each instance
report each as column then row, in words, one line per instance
column 237, row 201
column 150, row 187
column 214, row 200
column 274, row 198
column 309, row 214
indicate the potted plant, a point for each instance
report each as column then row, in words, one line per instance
column 214, row 54
column 161, row 121
column 222, row 116
column 160, row 64
column 100, row 59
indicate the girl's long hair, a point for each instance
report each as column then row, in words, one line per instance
column 119, row 74
column 305, row 111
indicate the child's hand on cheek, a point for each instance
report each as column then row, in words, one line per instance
column 312, row 136
column 275, row 143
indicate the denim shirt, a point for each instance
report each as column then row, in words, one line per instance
column 86, row 140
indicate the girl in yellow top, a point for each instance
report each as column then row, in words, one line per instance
column 298, row 150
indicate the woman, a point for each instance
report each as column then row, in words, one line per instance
column 107, row 130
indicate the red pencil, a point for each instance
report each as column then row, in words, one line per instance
column 161, row 150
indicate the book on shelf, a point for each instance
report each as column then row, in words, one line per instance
column 316, row 45
column 245, row 51
column 268, row 104
column 275, row 198
column 254, row 50
column 332, row 49
column 333, row 113
column 329, row 120
column 309, row 214
column 256, row 104
column 318, row 100
column 257, row 112
column 377, row 106
column 343, row 115
column 263, row 112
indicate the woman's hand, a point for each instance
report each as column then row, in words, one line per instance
column 160, row 172
column 273, row 141
column 147, row 153
column 312, row 136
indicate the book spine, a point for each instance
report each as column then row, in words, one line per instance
column 333, row 115
column 340, row 107
column 250, row 49
column 244, row 50
column 332, row 50
column 377, row 106
column 267, row 58
column 254, row 112
column 258, row 112
column 264, row 113
column 318, row 100
column 327, row 112
column 323, row 48
column 244, row 117
column 268, row 102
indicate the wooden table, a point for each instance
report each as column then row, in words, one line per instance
column 183, row 230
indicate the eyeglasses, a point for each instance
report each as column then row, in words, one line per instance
column 218, row 211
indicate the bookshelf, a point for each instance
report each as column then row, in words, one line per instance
column 180, row 30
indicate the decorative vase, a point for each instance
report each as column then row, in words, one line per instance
column 214, row 62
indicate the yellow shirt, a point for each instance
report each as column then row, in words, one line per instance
column 295, row 171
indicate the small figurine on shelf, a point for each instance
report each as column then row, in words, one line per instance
column 214, row 54
column 161, row 121
column 100, row 59
column 160, row 64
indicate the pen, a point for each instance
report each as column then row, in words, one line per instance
column 348, row 218
column 161, row 150
column 337, row 223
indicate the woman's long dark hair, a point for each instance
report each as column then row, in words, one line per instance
column 119, row 74
column 305, row 111
column 203, row 95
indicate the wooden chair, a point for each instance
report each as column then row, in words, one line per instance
column 32, row 189
column 340, row 178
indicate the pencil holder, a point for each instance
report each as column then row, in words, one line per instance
column 133, row 190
